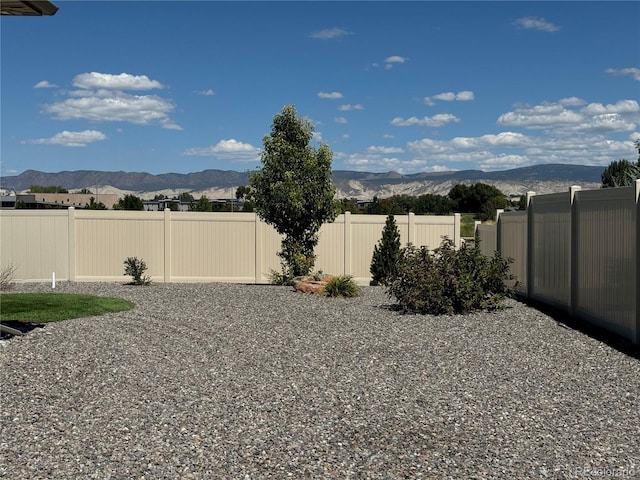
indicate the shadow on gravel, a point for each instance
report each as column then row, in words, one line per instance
column 564, row 320
column 11, row 328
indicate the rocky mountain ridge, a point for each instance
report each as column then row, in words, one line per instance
column 541, row 179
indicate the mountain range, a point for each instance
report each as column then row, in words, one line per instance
column 541, row 179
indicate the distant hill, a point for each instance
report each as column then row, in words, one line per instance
column 364, row 185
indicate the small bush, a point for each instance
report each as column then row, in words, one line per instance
column 450, row 281
column 342, row 286
column 135, row 268
column 7, row 274
column 386, row 254
column 279, row 278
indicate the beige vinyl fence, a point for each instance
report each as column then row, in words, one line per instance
column 90, row 245
column 578, row 251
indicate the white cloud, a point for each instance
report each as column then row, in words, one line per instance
column 340, row 120
column 502, row 139
column 230, row 149
column 536, row 23
column 633, row 72
column 389, row 62
column 384, row 150
column 330, row 95
column 348, row 107
column 435, row 121
column 463, row 96
column 395, row 59
column 572, row 102
column 101, row 98
column 503, row 162
column 123, row 81
column 622, row 106
column 622, row 116
column 540, row 116
column 71, row 139
column 330, row 33
column 44, row 84
column 205, row 93
column 119, row 107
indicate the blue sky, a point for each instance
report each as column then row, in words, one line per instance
column 405, row 86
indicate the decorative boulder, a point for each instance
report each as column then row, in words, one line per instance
column 311, row 285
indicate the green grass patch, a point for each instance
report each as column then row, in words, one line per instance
column 467, row 224
column 52, row 307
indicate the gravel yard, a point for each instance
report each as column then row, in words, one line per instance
column 204, row 381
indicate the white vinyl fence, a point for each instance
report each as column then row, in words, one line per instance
column 578, row 251
column 91, row 245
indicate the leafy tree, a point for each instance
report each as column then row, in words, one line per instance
column 293, row 191
column 129, row 202
column 386, row 254
column 85, row 191
column 159, row 197
column 349, row 205
column 186, row 197
column 93, row 205
column 202, row 205
column 430, row 204
column 47, row 189
column 244, row 193
column 621, row 173
column 375, row 207
column 479, row 198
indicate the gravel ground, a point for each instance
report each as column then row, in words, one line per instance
column 207, row 381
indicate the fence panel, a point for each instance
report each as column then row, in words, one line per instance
column 549, row 266
column 512, row 242
column 488, row 239
column 104, row 239
column 89, row 245
column 430, row 230
column 209, row 247
column 605, row 258
column 36, row 243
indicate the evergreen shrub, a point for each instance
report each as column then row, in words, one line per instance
column 386, row 254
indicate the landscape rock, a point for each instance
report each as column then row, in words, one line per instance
column 309, row 284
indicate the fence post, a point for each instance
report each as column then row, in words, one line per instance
column 71, row 233
column 411, row 228
column 573, row 249
column 499, row 212
column 259, row 238
column 457, row 236
column 167, row 245
column 529, row 262
column 637, row 193
column 347, row 243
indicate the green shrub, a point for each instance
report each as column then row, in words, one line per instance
column 7, row 274
column 449, row 281
column 386, row 254
column 136, row 268
column 342, row 286
column 279, row 278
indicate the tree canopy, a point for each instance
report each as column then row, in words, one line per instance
column 129, row 202
column 293, row 191
column 622, row 173
column 479, row 198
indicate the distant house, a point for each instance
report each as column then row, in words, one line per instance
column 160, row 205
column 63, row 200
